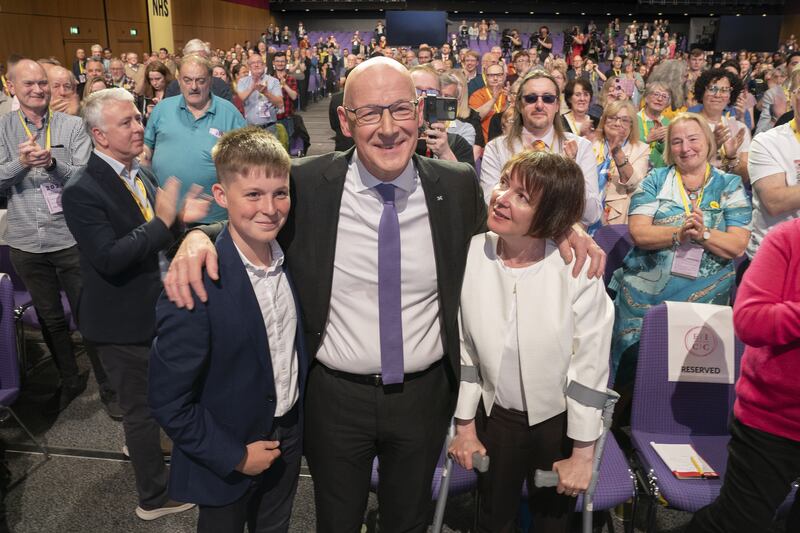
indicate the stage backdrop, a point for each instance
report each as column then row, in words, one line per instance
column 415, row 27
column 754, row 33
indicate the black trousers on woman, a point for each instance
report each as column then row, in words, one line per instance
column 761, row 468
column 517, row 450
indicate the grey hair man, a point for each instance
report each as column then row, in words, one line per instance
column 121, row 224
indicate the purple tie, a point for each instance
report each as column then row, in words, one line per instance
column 389, row 308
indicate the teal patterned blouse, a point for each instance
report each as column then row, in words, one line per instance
column 645, row 278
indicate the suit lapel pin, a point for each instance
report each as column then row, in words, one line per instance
column 439, row 198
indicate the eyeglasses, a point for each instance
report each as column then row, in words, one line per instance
column 625, row 121
column 716, row 89
column 660, row 96
column 371, row 114
column 532, row 98
column 497, row 75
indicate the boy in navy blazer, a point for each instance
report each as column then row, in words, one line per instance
column 227, row 378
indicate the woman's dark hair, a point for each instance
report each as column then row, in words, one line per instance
column 569, row 89
column 555, row 186
column 161, row 68
column 708, row 77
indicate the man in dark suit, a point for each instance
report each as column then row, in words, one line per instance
column 121, row 225
column 376, row 243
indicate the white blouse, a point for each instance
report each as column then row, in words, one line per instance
column 563, row 330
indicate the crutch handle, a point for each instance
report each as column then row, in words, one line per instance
column 480, row 462
column 545, row 478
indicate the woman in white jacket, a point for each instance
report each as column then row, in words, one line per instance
column 529, row 327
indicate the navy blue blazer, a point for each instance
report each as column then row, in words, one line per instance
column 211, row 382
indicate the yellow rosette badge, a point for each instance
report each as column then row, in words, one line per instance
column 714, row 205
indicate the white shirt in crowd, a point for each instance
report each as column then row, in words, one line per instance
column 276, row 301
column 774, row 151
column 351, row 338
column 497, row 154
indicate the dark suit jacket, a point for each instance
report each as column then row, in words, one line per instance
column 211, row 383
column 456, row 210
column 118, row 253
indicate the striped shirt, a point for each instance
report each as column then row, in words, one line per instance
column 31, row 226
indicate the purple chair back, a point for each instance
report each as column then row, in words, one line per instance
column 8, row 268
column 676, row 408
column 9, row 366
column 616, row 242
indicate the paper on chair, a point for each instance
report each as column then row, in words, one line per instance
column 684, row 461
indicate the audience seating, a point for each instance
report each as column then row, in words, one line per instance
column 616, row 242
column 24, row 311
column 9, row 366
column 678, row 412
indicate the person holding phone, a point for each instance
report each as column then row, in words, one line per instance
column 435, row 141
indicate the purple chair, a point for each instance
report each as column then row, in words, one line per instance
column 24, row 311
column 616, row 242
column 669, row 412
column 461, row 481
column 616, row 484
column 9, row 365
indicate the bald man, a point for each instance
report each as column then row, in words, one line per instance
column 386, row 377
column 63, row 91
column 39, row 152
column 376, row 243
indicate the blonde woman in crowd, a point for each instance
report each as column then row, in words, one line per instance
column 622, row 159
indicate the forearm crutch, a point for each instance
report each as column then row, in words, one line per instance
column 480, row 462
column 599, row 400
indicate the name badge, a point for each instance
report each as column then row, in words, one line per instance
column 686, row 262
column 265, row 111
column 215, row 132
column 52, row 197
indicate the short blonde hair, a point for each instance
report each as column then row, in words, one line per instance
column 795, row 79
column 239, row 150
column 612, row 109
column 704, row 127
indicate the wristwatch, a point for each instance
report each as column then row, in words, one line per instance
column 52, row 165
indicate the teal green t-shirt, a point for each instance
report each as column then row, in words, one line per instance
column 182, row 145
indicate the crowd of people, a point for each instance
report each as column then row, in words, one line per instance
column 345, row 306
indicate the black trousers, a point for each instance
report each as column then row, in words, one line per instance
column 127, row 366
column 761, row 467
column 45, row 275
column 517, row 450
column 348, row 424
column 266, row 507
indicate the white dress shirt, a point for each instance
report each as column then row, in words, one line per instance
column 564, row 327
column 497, row 154
column 276, row 301
column 351, row 339
column 127, row 177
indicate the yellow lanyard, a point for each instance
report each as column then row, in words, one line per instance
column 81, row 67
column 684, row 196
column 28, row 131
column 498, row 105
column 645, row 128
column 793, row 125
column 145, row 208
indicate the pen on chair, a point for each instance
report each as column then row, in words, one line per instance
column 697, row 466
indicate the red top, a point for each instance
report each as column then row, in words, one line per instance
column 767, row 319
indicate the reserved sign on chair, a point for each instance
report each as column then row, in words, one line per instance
column 701, row 343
